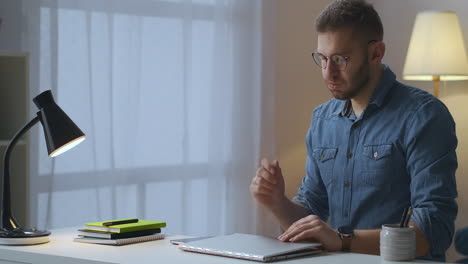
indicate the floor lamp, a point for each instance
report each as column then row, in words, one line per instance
column 436, row 50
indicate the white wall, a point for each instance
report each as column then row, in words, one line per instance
column 11, row 27
column 300, row 87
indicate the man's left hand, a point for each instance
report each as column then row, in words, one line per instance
column 312, row 228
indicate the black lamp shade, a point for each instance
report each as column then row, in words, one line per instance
column 60, row 132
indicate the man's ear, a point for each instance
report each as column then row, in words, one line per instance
column 377, row 52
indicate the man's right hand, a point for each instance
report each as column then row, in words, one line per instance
column 267, row 187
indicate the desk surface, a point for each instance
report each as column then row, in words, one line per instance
column 61, row 249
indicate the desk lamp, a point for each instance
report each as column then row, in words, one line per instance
column 436, row 50
column 61, row 134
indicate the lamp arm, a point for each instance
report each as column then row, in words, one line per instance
column 7, row 220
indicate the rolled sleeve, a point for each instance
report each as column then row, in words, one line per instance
column 432, row 162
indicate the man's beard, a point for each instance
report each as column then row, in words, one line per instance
column 358, row 82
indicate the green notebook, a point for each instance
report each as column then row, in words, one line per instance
column 123, row 228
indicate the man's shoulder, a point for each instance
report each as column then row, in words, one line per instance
column 328, row 109
column 413, row 98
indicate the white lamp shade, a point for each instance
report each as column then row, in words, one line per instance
column 436, row 48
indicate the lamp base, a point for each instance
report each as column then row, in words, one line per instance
column 23, row 236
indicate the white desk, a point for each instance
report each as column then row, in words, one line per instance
column 61, row 249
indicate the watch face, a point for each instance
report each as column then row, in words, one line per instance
column 345, row 230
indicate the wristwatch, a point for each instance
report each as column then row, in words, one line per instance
column 346, row 234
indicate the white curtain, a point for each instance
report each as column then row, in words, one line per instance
column 169, row 94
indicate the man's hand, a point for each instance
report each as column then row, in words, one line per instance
column 312, row 228
column 267, row 187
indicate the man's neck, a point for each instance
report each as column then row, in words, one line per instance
column 360, row 101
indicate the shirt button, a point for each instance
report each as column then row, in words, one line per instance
column 345, row 214
column 346, row 185
column 350, row 155
column 376, row 154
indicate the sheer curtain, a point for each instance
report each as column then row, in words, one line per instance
column 169, row 94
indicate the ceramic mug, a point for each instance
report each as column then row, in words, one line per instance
column 397, row 244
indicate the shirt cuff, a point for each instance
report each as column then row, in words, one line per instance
column 434, row 231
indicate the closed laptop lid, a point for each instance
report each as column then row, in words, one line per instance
column 251, row 245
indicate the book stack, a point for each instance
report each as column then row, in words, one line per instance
column 120, row 232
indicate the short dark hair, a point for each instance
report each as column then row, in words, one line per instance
column 358, row 14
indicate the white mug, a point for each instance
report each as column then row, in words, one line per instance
column 397, row 244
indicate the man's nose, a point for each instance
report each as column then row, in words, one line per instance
column 330, row 71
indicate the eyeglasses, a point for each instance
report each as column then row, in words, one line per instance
column 339, row 61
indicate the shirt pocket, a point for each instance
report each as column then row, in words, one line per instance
column 377, row 165
column 377, row 156
column 325, row 158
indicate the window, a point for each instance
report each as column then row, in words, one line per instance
column 167, row 93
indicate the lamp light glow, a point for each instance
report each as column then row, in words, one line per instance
column 67, row 147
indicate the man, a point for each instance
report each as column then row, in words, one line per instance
column 375, row 149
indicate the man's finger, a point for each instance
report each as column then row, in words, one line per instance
column 288, row 234
column 264, row 182
column 275, row 164
column 261, row 190
column 292, row 232
column 264, row 190
column 309, row 218
column 262, row 172
column 254, row 180
column 265, row 163
column 306, row 234
column 309, row 221
column 267, row 176
column 259, row 170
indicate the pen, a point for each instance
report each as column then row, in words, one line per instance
column 403, row 217
column 408, row 216
column 121, row 222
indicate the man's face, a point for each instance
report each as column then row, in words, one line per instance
column 344, row 84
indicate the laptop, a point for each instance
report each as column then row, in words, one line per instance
column 251, row 247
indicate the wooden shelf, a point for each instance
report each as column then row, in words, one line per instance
column 14, row 107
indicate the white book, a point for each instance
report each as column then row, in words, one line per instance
column 251, row 247
column 119, row 242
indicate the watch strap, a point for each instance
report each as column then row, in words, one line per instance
column 346, row 243
column 346, row 234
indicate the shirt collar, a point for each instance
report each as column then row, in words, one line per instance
column 380, row 93
column 385, row 84
column 346, row 109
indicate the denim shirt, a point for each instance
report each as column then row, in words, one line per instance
column 400, row 152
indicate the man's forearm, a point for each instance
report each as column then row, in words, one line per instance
column 287, row 212
column 366, row 242
column 422, row 245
